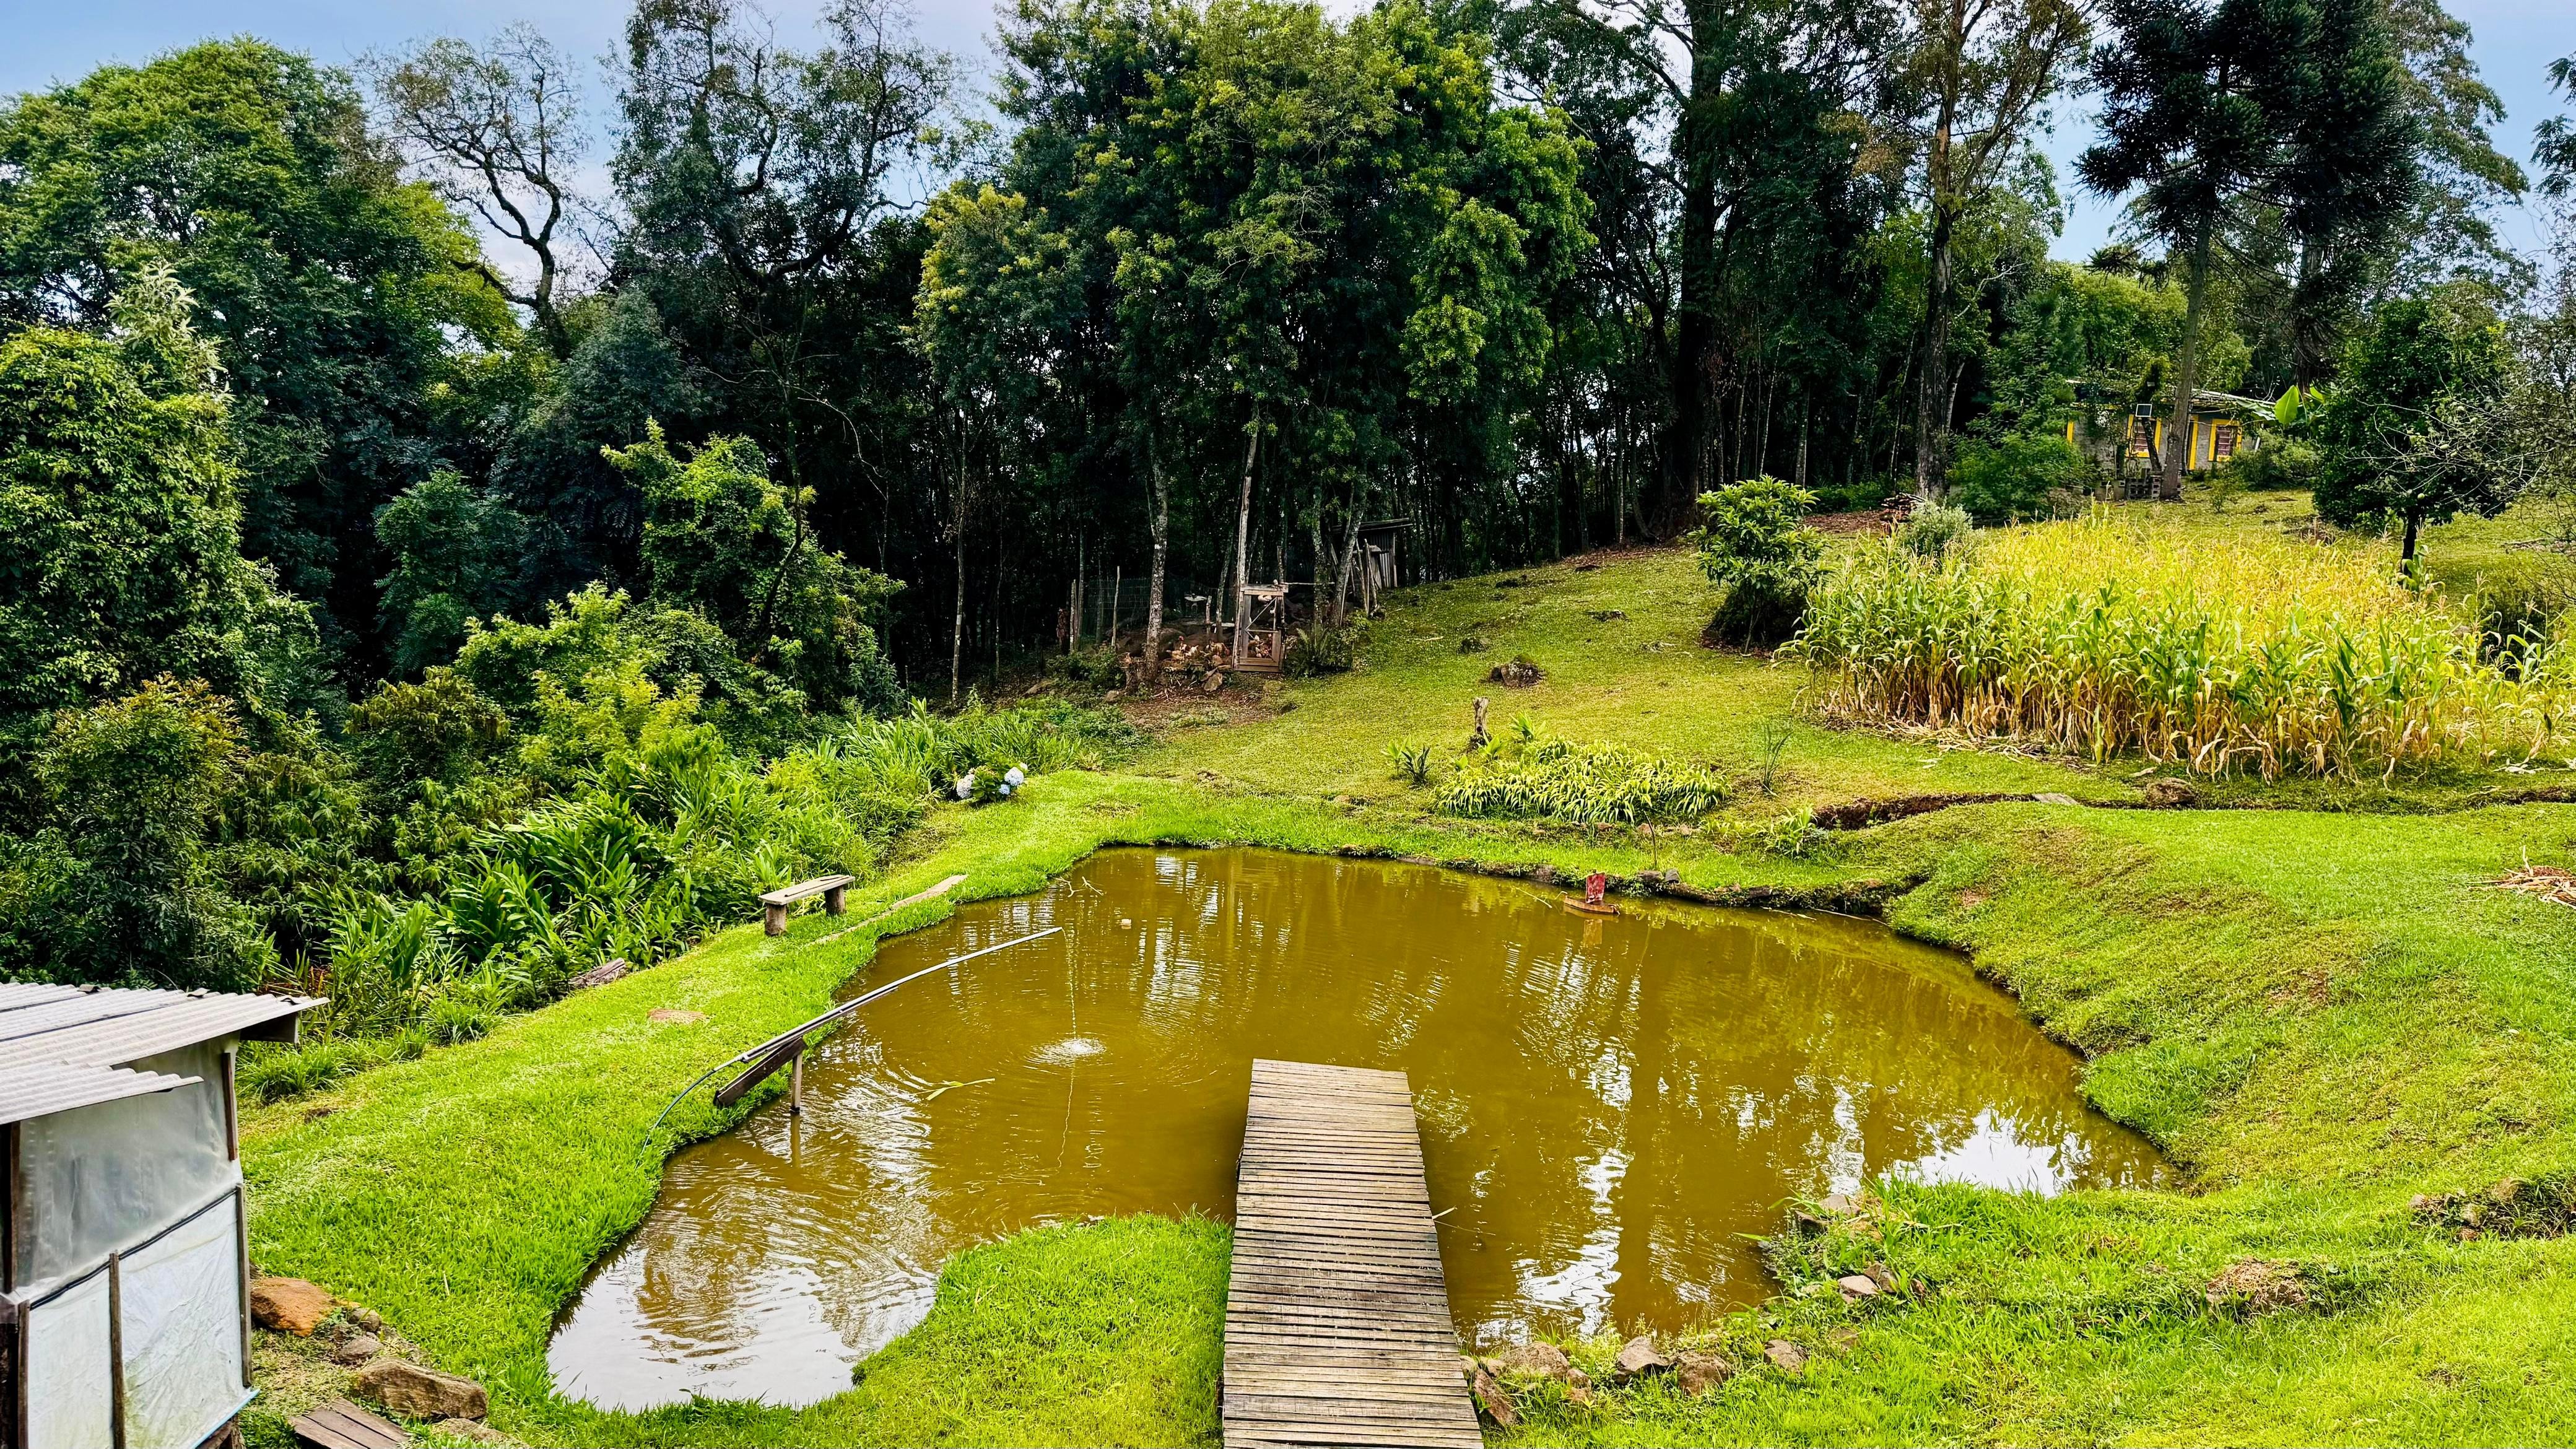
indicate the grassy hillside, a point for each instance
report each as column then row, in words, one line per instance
column 2320, row 1014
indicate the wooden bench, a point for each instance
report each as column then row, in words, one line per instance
column 829, row 887
column 340, row 1424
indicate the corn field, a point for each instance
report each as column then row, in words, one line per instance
column 2101, row 638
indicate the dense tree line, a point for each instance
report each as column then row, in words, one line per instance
column 349, row 445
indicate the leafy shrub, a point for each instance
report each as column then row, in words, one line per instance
column 1933, row 531
column 1860, row 495
column 1319, row 649
column 1754, row 541
column 440, row 729
column 1411, row 763
column 1585, row 784
column 989, row 784
column 2282, row 463
column 2008, row 480
column 1094, row 666
column 122, row 884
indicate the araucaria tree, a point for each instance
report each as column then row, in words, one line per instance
column 2212, row 108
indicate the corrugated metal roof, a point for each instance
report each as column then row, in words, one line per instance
column 46, row 1088
column 14, row 994
column 79, row 1009
column 109, row 1028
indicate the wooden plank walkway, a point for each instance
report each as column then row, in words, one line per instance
column 1337, row 1325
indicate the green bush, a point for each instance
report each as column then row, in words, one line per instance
column 1754, row 541
column 1319, row 649
column 1584, row 784
column 1931, row 532
column 2009, row 479
column 1095, row 666
column 2282, row 463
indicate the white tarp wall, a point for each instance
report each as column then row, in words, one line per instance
column 70, row 1399
column 180, row 1301
column 95, row 1180
column 152, row 1180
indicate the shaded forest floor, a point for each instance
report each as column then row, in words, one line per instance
column 2322, row 1010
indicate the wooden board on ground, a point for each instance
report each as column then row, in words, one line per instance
column 340, row 1424
column 1337, row 1325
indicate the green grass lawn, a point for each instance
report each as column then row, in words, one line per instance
column 2319, row 1013
column 1640, row 679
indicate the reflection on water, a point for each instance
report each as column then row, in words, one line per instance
column 1607, row 1106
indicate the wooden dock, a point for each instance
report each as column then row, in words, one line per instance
column 1337, row 1325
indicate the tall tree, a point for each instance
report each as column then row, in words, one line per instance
column 118, row 499
column 771, row 197
column 2211, row 107
column 1985, row 67
column 498, row 127
column 2463, row 178
column 2359, row 141
column 328, row 287
column 2401, row 437
column 2554, row 139
column 1260, row 219
column 1761, row 113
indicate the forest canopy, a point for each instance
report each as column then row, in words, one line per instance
column 406, row 463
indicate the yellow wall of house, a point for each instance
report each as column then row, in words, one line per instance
column 2204, row 439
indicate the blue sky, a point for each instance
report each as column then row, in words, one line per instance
column 47, row 42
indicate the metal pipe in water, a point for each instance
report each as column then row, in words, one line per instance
column 767, row 1053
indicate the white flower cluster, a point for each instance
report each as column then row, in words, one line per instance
column 1012, row 779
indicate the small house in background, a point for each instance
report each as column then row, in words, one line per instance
column 124, row 1250
column 1377, row 563
column 2132, row 445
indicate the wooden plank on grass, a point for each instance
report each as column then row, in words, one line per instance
column 340, row 1424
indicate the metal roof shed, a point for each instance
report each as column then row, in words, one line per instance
column 124, row 1254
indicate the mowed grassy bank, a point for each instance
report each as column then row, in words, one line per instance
column 2320, row 1015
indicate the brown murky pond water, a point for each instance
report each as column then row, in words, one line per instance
column 1607, row 1105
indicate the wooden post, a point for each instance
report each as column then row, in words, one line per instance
column 832, row 900
column 232, row 1105
column 115, row 1350
column 796, row 1087
column 774, row 918
column 1477, row 740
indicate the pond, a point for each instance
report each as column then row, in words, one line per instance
column 1608, row 1105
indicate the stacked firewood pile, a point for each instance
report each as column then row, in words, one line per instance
column 1189, row 664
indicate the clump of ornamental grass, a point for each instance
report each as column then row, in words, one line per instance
column 1535, row 778
column 2099, row 638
